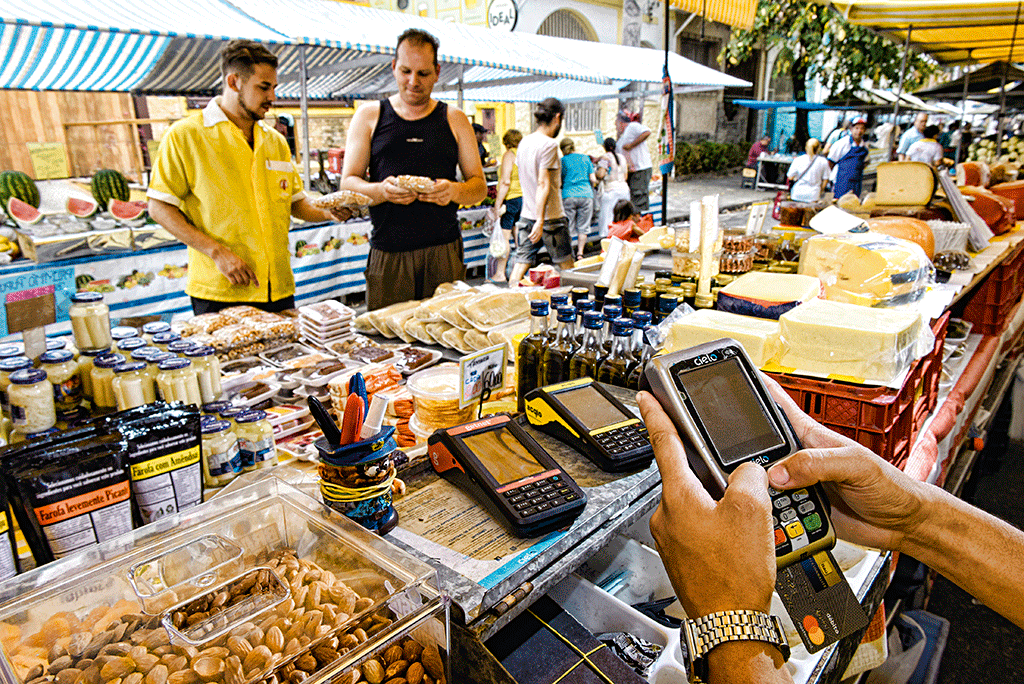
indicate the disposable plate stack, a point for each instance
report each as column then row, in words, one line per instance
column 326, row 322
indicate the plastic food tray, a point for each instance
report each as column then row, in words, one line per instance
column 267, row 354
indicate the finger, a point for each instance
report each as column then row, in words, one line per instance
column 750, row 481
column 678, row 480
column 850, row 465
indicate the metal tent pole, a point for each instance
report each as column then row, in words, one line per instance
column 903, row 71
column 1002, row 86
column 963, row 117
column 671, row 94
column 304, row 106
column 462, row 74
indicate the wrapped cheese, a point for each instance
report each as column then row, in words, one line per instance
column 767, row 295
column 759, row 337
column 907, row 183
column 911, row 229
column 378, row 318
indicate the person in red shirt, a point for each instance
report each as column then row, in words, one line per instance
column 756, row 149
column 627, row 224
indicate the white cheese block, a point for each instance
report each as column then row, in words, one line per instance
column 759, row 336
column 836, row 338
column 767, row 295
column 908, row 183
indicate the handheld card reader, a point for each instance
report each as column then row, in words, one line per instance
column 504, row 468
column 584, row 415
column 718, row 403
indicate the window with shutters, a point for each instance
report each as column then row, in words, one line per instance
column 563, row 23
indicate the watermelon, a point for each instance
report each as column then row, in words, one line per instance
column 108, row 184
column 23, row 212
column 20, row 185
column 126, row 211
column 82, row 208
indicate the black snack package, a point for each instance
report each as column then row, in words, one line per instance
column 8, row 546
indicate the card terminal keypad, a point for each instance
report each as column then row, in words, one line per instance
column 797, row 518
column 623, row 440
column 542, row 495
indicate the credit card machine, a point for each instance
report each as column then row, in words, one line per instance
column 726, row 416
column 512, row 476
column 585, row 415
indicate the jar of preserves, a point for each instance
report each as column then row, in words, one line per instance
column 123, row 332
column 86, row 361
column 179, row 347
column 214, row 407
column 153, row 328
column 204, row 358
column 231, row 412
column 103, row 398
column 177, row 382
column 153, row 361
column 129, row 345
column 31, row 396
column 10, row 351
column 55, row 343
column 221, row 457
column 66, row 379
column 90, row 321
column 255, row 440
column 132, row 385
column 161, row 340
column 8, row 366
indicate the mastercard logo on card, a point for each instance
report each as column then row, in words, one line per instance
column 813, row 629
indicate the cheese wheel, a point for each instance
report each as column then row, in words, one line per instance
column 973, row 173
column 906, row 183
column 999, row 213
column 1013, row 190
column 907, row 228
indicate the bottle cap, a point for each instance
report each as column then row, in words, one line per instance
column 613, row 300
column 668, row 303
column 123, row 332
column 130, row 366
column 566, row 313
column 622, row 326
column 212, row 427
column 560, row 299
column 52, row 344
column 28, row 376
column 109, row 361
column 176, row 363
column 9, row 351
column 538, row 307
column 593, row 320
column 215, row 406
column 641, row 319
column 156, row 327
column 198, row 350
column 131, row 344
column 56, row 356
column 585, row 305
column 166, row 337
column 159, row 357
column 630, row 298
column 611, row 312
column 94, row 352
column 144, row 353
column 180, row 346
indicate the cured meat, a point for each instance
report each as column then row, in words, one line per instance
column 1013, row 190
column 974, row 174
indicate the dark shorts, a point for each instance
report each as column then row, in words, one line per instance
column 640, row 189
column 555, row 238
column 201, row 306
column 513, row 208
column 393, row 277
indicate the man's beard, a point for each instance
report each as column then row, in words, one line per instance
column 254, row 115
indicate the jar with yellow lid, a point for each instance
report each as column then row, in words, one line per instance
column 86, row 361
column 255, row 440
column 90, row 321
column 103, row 399
column 8, row 366
column 153, row 328
column 132, row 385
column 65, row 378
column 161, row 340
column 177, row 382
column 31, row 397
column 204, row 358
column 222, row 459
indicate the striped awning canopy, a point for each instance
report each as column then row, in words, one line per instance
column 736, row 13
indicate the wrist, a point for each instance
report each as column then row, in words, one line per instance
column 738, row 661
column 930, row 525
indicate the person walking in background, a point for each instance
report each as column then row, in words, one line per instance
column 912, row 135
column 611, row 171
column 633, row 144
column 848, row 157
column 578, row 180
column 809, row 173
column 946, row 139
column 510, row 195
column 927, row 149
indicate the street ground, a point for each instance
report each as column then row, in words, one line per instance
column 731, row 196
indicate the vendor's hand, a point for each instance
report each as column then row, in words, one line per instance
column 339, row 213
column 719, row 555
column 442, row 193
column 537, row 232
column 873, row 502
column 233, row 268
column 395, row 193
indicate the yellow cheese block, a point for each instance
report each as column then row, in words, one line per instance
column 767, row 295
column 904, row 183
column 869, row 269
column 759, row 336
column 835, row 338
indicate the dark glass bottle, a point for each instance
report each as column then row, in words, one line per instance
column 582, row 307
column 554, row 365
column 630, row 302
column 649, row 298
column 666, row 305
column 641, row 349
column 641, row 321
column 612, row 300
column 614, row 369
column 528, row 355
column 586, row 359
column 610, row 312
column 579, row 293
column 557, row 300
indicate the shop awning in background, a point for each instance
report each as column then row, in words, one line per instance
column 736, row 13
column 771, row 104
column 980, row 82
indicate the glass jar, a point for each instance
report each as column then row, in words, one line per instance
column 204, row 358
column 221, row 457
column 177, row 382
column 180, row 347
column 153, row 328
column 123, row 332
column 54, row 344
column 231, row 412
column 65, row 378
column 214, row 407
column 161, row 340
column 90, row 321
column 129, row 345
column 132, row 385
column 10, row 351
column 86, row 361
column 8, row 366
column 156, row 357
column 103, row 398
column 255, row 440
column 31, row 396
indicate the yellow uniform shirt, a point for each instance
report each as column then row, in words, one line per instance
column 239, row 196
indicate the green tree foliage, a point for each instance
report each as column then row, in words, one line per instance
column 816, row 42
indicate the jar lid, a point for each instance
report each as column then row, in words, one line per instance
column 212, row 427
column 123, row 332
column 199, row 350
column 250, row 416
column 158, row 356
column 215, row 406
column 56, row 356
column 110, row 361
column 8, row 351
column 176, row 363
column 131, row 344
column 642, row 318
column 53, row 344
column 166, row 337
column 179, row 346
column 28, row 376
column 130, row 366
column 15, row 364
column 593, row 320
column 144, row 353
column 155, row 327
column 95, row 352
column 612, row 300
column 558, row 300
column 87, row 297
column 566, row 313
column 630, row 297
column 231, row 411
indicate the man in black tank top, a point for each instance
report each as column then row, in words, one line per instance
column 416, row 243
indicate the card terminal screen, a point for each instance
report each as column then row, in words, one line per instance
column 727, row 405
column 504, row 456
column 591, row 407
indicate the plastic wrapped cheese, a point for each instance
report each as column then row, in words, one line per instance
column 759, row 336
column 869, row 269
column 767, row 295
column 835, row 338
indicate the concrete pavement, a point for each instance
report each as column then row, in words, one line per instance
column 731, row 196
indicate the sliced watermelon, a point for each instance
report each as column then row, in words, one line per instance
column 126, row 211
column 82, row 208
column 23, row 212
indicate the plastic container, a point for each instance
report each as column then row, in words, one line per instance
column 153, row 328
column 103, row 398
column 65, row 378
column 31, row 397
column 123, row 332
column 207, row 366
column 255, row 440
column 177, row 382
column 221, row 457
column 86, row 362
column 8, row 366
column 435, row 393
column 132, row 385
column 90, row 321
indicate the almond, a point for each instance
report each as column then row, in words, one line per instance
column 373, row 671
column 392, row 654
column 158, row 675
column 396, row 668
column 415, row 673
column 432, row 663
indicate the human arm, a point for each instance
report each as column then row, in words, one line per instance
column 543, row 188
column 508, row 160
column 638, row 139
column 474, row 188
column 357, row 161
column 876, row 504
column 304, row 210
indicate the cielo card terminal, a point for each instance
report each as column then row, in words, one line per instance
column 717, row 401
column 584, row 415
column 508, row 472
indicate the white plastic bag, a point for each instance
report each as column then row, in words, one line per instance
column 499, row 243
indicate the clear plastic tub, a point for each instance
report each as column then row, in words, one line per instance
column 435, row 393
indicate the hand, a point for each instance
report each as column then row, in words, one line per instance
column 340, row 214
column 395, row 193
column 538, row 230
column 494, row 213
column 719, row 555
column 233, row 268
column 442, row 193
column 873, row 502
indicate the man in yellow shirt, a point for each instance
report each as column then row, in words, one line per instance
column 225, row 185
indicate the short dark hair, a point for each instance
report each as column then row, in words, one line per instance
column 419, row 37
column 547, row 109
column 931, row 131
column 512, row 138
column 609, row 144
column 243, row 56
column 623, row 210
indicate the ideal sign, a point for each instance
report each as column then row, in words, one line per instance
column 503, row 14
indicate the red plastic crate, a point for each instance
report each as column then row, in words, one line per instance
column 1006, row 281
column 883, row 419
column 989, row 319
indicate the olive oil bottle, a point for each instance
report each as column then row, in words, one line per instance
column 554, row 365
column 642, row 351
column 611, row 312
column 615, row 368
column 586, row 359
column 529, row 352
column 582, row 307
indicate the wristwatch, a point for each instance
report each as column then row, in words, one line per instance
column 704, row 633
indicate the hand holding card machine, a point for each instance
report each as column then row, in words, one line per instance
column 716, row 399
column 583, row 414
column 498, row 462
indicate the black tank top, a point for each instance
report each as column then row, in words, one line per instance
column 425, row 147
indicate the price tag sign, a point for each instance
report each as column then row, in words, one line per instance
column 480, row 372
column 49, row 160
column 34, row 299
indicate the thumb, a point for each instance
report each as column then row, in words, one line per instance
column 846, row 465
column 750, row 481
